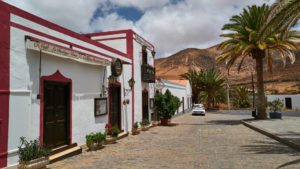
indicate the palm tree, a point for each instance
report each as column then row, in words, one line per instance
column 241, row 97
column 255, row 33
column 211, row 83
column 192, row 76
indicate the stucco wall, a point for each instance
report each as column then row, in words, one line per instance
column 179, row 91
column 295, row 99
column 140, row 86
column 24, row 106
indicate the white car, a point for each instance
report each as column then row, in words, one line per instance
column 198, row 109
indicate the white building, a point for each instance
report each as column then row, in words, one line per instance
column 290, row 101
column 181, row 89
column 55, row 82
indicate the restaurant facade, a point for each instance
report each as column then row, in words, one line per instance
column 58, row 85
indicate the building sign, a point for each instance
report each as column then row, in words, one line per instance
column 100, row 106
column 116, row 67
column 66, row 53
column 148, row 74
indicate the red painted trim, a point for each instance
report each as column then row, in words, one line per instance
column 145, row 90
column 4, row 79
column 63, row 41
column 143, row 39
column 108, row 33
column 53, row 26
column 57, row 77
column 109, row 39
column 40, row 40
column 118, row 32
column 129, row 45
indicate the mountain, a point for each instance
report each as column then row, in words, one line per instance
column 284, row 79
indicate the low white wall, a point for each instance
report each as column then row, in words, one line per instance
column 295, row 99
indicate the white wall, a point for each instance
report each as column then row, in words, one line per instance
column 295, row 99
column 179, row 91
column 24, row 86
column 140, row 86
column 119, row 44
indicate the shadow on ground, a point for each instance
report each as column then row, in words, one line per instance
column 289, row 163
column 267, row 147
column 225, row 122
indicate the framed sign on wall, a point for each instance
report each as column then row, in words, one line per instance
column 100, row 106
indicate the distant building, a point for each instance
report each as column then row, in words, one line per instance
column 181, row 89
column 290, row 101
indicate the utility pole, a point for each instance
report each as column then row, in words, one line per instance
column 227, row 86
column 253, row 96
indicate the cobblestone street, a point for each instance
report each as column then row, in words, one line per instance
column 214, row 141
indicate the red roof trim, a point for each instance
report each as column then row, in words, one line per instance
column 56, row 27
column 60, row 40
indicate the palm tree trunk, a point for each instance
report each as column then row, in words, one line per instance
column 261, row 107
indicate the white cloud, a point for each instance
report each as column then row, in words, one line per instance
column 140, row 4
column 111, row 22
column 170, row 27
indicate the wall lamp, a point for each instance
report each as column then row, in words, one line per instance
column 131, row 83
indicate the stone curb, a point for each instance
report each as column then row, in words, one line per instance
column 271, row 135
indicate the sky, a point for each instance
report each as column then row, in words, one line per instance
column 170, row 25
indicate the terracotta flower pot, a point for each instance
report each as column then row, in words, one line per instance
column 135, row 132
column 144, row 127
column 110, row 139
column 164, row 121
column 154, row 123
column 34, row 164
column 95, row 146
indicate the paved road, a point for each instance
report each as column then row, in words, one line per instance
column 216, row 141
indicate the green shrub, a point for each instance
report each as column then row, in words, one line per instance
column 166, row 104
column 135, row 125
column 31, row 150
column 241, row 99
column 275, row 105
column 145, row 122
column 95, row 138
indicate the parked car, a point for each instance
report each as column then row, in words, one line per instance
column 198, row 109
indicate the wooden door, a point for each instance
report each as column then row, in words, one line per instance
column 115, row 105
column 145, row 106
column 56, row 114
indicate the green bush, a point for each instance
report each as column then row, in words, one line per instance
column 275, row 105
column 98, row 138
column 31, row 150
column 145, row 122
column 241, row 99
column 135, row 125
column 166, row 104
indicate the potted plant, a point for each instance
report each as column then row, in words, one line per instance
column 275, row 106
column 134, row 130
column 95, row 141
column 166, row 105
column 145, row 124
column 112, row 133
column 32, row 155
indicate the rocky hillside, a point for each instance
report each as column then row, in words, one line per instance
column 179, row 63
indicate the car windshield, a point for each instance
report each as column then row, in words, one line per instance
column 198, row 106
